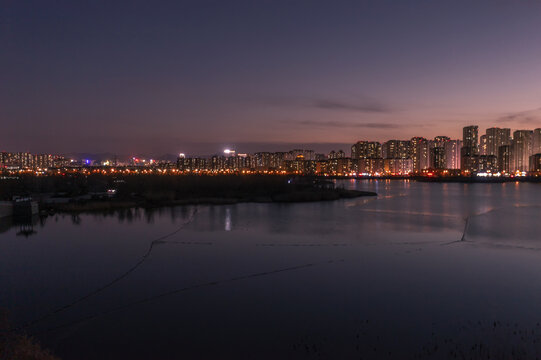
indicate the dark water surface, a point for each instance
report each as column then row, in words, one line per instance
column 418, row 272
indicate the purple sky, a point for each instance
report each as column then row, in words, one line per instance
column 195, row 76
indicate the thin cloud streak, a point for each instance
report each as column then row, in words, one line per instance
column 522, row 117
column 344, row 124
column 363, row 106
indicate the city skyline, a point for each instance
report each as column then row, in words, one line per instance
column 141, row 78
column 498, row 152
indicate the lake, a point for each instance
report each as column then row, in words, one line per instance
column 425, row 270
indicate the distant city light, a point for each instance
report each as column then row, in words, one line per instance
column 501, row 155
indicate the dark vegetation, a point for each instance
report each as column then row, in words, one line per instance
column 70, row 185
column 15, row 346
column 87, row 193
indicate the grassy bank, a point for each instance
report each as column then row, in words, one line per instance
column 289, row 197
column 76, row 192
column 14, row 346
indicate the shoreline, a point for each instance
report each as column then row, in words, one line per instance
column 453, row 179
column 295, row 197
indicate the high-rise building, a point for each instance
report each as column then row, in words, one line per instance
column 192, row 164
column 340, row 154
column 452, row 154
column 483, row 145
column 487, row 164
column 366, row 150
column 536, row 142
column 504, row 159
column 10, row 159
column 369, row 165
column 267, row 161
column 343, row 165
column 425, row 154
column 469, row 163
column 438, row 157
column 470, row 149
column 43, row 161
column 521, row 150
column 25, row 160
column 396, row 149
column 263, row 160
column 60, row 161
column 496, row 137
column 470, row 138
column 414, row 152
column 535, row 163
column 398, row 166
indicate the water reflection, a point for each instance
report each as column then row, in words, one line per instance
column 25, row 226
column 76, row 219
column 400, row 206
column 313, row 275
column 227, row 219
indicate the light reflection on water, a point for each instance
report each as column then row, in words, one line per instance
column 273, row 279
column 227, row 219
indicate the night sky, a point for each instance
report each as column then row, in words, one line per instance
column 195, row 76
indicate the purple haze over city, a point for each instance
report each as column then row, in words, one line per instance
column 198, row 76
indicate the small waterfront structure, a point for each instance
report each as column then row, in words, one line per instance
column 25, row 206
column 6, row 208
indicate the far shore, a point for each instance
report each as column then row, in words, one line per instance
column 455, row 179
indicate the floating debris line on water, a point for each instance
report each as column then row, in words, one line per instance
column 463, row 238
column 185, row 289
column 158, row 241
column 301, row 245
column 401, row 212
column 467, row 221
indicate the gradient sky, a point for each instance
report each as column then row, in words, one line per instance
column 195, row 76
